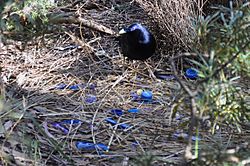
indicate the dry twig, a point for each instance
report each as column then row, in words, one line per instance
column 69, row 19
column 192, row 94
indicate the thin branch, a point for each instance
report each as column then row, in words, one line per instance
column 188, row 151
column 87, row 47
column 69, row 19
column 189, row 92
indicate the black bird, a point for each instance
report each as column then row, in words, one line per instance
column 137, row 43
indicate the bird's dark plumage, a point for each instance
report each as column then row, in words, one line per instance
column 137, row 43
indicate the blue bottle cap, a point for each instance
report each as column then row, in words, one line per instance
column 147, row 95
column 191, row 73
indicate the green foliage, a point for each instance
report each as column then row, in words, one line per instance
column 223, row 100
column 223, row 61
column 25, row 17
column 242, row 64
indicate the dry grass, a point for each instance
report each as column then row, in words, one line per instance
column 33, row 105
column 174, row 20
column 29, row 76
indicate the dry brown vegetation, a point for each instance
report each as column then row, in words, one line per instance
column 174, row 20
column 31, row 71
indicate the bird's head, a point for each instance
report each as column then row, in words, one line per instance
column 136, row 28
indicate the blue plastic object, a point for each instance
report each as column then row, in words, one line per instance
column 117, row 112
column 147, row 95
column 71, row 121
column 61, row 86
column 113, row 122
column 134, row 145
column 90, row 99
column 191, row 73
column 60, row 127
column 76, row 87
column 81, row 145
column 124, row 126
column 92, row 86
column 133, row 110
column 134, row 95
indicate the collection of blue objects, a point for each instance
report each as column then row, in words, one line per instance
column 83, row 145
column 144, row 95
column 146, row 46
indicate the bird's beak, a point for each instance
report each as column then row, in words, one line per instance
column 122, row 32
